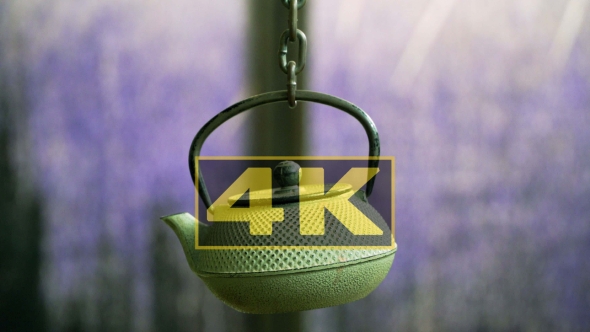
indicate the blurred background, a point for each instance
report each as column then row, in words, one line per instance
column 485, row 105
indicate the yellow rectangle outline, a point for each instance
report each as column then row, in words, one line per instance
column 393, row 245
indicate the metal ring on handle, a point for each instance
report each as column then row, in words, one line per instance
column 273, row 97
column 300, row 3
column 291, row 84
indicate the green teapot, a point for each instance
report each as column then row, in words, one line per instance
column 266, row 281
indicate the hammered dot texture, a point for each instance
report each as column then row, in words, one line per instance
column 286, row 233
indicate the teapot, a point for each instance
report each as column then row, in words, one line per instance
column 273, row 279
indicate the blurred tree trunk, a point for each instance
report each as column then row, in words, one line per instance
column 274, row 129
column 21, row 306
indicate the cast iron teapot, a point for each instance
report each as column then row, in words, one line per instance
column 265, row 281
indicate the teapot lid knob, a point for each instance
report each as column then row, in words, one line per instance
column 286, row 173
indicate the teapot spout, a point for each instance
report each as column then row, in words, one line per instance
column 183, row 225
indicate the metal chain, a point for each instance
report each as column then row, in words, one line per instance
column 291, row 35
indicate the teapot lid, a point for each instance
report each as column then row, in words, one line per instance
column 287, row 174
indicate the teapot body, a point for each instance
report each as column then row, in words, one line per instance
column 284, row 280
column 300, row 289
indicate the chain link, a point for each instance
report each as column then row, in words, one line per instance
column 292, row 34
column 284, row 50
column 293, row 21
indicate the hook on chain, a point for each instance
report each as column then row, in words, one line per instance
column 300, row 3
column 291, row 84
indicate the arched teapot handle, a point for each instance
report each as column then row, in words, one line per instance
column 276, row 96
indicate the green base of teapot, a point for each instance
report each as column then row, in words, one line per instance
column 306, row 289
